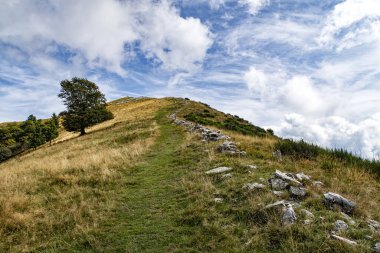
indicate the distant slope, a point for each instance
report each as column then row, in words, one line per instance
column 137, row 183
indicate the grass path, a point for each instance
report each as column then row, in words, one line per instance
column 146, row 218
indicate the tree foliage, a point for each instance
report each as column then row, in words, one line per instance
column 18, row 137
column 86, row 105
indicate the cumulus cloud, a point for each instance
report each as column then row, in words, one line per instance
column 99, row 30
column 352, row 22
column 256, row 80
column 254, row 6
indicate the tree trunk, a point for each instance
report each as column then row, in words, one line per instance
column 82, row 131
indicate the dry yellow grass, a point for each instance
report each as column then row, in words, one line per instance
column 62, row 189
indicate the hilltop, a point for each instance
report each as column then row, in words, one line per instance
column 153, row 180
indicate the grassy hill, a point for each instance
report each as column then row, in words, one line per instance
column 137, row 183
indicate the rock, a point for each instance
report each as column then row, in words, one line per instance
column 333, row 199
column 228, row 175
column 218, row 200
column 307, row 214
column 297, row 192
column 277, row 154
column 374, row 225
column 289, row 216
column 376, row 247
column 278, row 203
column 302, row 177
column 277, row 183
column 348, row 218
column 279, row 193
column 285, row 177
column 343, row 239
column 218, row 170
column 318, row 184
column 253, row 167
column 229, row 147
column 252, row 186
column 340, row 226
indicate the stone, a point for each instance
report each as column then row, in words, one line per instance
column 278, row 203
column 297, row 192
column 229, row 147
column 279, row 193
column 218, row 200
column 277, row 184
column 289, row 216
column 317, row 184
column 348, row 218
column 340, row 226
column 285, row 177
column 376, row 247
column 277, row 154
column 228, row 175
column 374, row 225
column 218, row 170
column 252, row 186
column 301, row 176
column 307, row 214
column 333, row 199
column 253, row 167
column 345, row 240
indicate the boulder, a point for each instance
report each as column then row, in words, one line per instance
column 218, row 170
column 345, row 240
column 333, row 199
column 340, row 226
column 297, row 192
column 286, row 178
column 229, row 147
column 253, row 186
column 277, row 184
column 289, row 216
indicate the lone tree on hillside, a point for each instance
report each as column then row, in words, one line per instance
column 86, row 105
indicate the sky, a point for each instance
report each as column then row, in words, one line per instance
column 307, row 69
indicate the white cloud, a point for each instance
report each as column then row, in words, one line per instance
column 254, row 6
column 100, row 29
column 256, row 80
column 351, row 23
column 300, row 95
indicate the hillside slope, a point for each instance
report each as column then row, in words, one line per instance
column 138, row 183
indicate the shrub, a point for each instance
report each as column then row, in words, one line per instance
column 5, row 153
column 298, row 149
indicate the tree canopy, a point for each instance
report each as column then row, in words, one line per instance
column 86, row 105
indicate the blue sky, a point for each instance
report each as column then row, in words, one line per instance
column 307, row 69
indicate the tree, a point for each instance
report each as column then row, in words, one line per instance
column 86, row 105
column 50, row 129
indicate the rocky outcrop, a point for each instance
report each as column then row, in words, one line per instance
column 286, row 177
column 297, row 192
column 278, row 184
column 229, row 147
column 332, row 200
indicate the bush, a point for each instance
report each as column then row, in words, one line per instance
column 298, row 149
column 5, row 153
